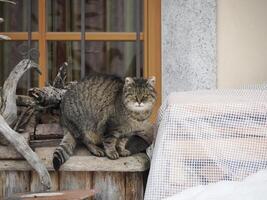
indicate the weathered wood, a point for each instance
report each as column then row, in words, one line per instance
column 22, row 147
column 48, row 131
column 62, row 195
column 59, row 81
column 75, row 180
column 8, row 97
column 23, row 100
column 134, row 186
column 109, row 186
column 7, row 1
column 36, row 186
column 137, row 163
column 47, row 96
column 82, row 161
column 9, row 152
column 44, row 143
column 8, row 115
column 13, row 182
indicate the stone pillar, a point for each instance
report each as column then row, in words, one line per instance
column 188, row 45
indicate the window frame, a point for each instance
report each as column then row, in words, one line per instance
column 151, row 38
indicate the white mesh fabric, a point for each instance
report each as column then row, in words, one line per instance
column 208, row 136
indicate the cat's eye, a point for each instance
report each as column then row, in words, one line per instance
column 144, row 98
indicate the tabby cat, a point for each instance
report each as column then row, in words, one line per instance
column 103, row 112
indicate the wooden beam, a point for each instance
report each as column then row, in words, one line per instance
column 93, row 36
column 153, row 47
column 42, row 42
column 136, row 163
column 21, row 35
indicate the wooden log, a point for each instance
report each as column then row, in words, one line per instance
column 14, row 182
column 109, row 185
column 75, row 180
column 134, row 186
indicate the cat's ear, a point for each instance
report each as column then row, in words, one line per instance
column 128, row 80
column 151, row 81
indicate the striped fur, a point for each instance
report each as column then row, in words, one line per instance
column 104, row 111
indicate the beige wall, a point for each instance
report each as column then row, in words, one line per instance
column 241, row 42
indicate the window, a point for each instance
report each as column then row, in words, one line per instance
column 110, row 38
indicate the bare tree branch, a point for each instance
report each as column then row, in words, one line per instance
column 4, row 37
column 8, row 115
column 6, row 1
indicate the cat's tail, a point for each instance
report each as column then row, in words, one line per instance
column 64, row 151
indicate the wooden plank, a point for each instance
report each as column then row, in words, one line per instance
column 44, row 143
column 109, row 185
column 14, row 182
column 21, row 35
column 134, row 163
column 138, row 162
column 75, row 180
column 48, row 131
column 36, row 186
column 134, row 186
column 9, row 152
column 42, row 42
column 93, row 36
column 62, row 195
column 153, row 47
column 82, row 161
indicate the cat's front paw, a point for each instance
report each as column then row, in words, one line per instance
column 98, row 152
column 124, row 152
column 113, row 155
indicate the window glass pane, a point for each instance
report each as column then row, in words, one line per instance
column 15, row 16
column 117, row 58
column 101, row 15
column 10, row 56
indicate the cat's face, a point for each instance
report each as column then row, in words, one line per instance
column 139, row 94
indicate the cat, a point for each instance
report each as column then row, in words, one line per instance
column 103, row 112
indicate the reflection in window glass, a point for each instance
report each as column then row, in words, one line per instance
column 15, row 16
column 116, row 58
column 10, row 56
column 101, row 15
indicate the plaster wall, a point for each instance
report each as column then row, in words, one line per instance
column 188, row 45
column 241, row 42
